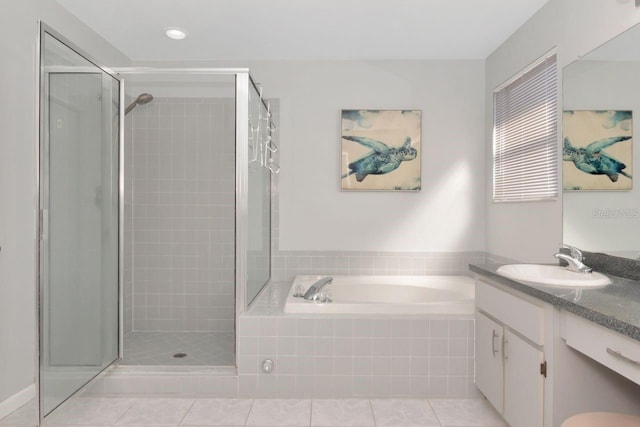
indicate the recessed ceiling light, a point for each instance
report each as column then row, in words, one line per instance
column 175, row 33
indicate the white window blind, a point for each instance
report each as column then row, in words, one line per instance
column 525, row 135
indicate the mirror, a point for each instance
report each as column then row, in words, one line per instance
column 601, row 103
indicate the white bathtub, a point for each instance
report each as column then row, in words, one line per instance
column 387, row 295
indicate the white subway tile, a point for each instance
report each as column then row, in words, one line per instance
column 287, row 327
column 325, row 327
column 286, row 365
column 381, row 365
column 306, row 327
column 381, row 385
column 362, row 328
column 325, row 346
column 457, row 367
column 437, row 386
column 286, row 346
column 362, row 385
column 458, row 347
column 419, row 366
column 438, row 367
column 305, row 346
column 382, row 347
column 362, row 366
column 438, row 347
column 439, row 328
column 267, row 346
column 324, row 365
column 400, row 366
column 344, row 328
column 306, row 365
column 362, row 346
column 343, row 346
column 400, row 385
column 382, row 328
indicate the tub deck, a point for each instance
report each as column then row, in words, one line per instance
column 386, row 295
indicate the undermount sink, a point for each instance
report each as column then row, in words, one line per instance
column 552, row 275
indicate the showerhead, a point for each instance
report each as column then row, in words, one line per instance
column 143, row 98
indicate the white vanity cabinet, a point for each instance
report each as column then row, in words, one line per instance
column 489, row 360
column 617, row 352
column 510, row 362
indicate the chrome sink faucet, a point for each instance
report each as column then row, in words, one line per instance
column 313, row 293
column 574, row 259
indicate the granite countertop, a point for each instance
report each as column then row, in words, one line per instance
column 616, row 306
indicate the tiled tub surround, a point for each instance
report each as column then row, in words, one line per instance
column 288, row 264
column 181, row 200
column 353, row 355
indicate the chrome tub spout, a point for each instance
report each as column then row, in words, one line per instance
column 313, row 293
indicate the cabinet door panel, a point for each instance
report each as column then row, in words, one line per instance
column 523, row 383
column 489, row 372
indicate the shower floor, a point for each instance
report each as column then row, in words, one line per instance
column 159, row 348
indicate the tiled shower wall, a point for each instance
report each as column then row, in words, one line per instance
column 179, row 208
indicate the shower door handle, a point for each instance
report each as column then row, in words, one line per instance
column 44, row 224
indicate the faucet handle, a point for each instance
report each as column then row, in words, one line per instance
column 575, row 252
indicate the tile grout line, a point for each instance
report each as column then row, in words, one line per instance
column 246, row 420
column 434, row 412
column 187, row 412
column 373, row 414
column 131, row 405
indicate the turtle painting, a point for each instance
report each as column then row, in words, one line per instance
column 382, row 159
column 381, row 150
column 593, row 160
column 597, row 150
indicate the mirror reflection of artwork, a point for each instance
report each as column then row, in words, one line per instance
column 597, row 150
column 381, row 149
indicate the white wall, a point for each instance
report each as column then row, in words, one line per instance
column 18, row 37
column 532, row 231
column 446, row 215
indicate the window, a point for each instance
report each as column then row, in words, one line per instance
column 525, row 164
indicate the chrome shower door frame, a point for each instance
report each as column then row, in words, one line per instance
column 42, row 193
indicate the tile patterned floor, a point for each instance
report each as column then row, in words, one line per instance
column 158, row 348
column 194, row 412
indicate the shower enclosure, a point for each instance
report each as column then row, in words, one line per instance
column 155, row 219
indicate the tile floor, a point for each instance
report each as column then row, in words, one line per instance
column 173, row 412
column 158, row 348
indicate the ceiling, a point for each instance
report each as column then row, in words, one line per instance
column 305, row 29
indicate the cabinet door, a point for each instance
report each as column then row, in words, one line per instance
column 523, row 383
column 489, row 372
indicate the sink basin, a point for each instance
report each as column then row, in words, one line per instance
column 552, row 275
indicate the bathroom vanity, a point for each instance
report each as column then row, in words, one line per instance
column 545, row 353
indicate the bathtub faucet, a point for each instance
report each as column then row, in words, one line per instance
column 313, row 293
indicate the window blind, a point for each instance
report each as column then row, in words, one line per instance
column 525, row 135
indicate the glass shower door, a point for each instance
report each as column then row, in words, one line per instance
column 259, row 194
column 79, row 237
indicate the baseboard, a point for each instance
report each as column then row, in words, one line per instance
column 18, row 400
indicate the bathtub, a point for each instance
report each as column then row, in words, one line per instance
column 387, row 295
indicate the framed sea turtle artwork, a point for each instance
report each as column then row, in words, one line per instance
column 381, row 150
column 597, row 150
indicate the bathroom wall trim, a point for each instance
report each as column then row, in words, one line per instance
column 16, row 401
